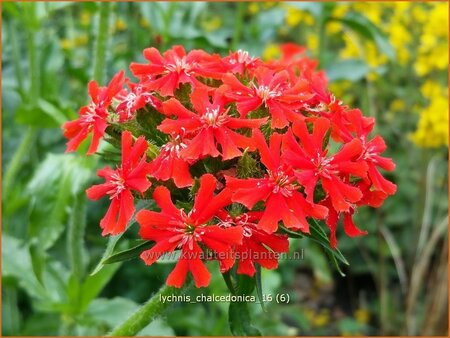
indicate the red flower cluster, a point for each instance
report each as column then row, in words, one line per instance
column 251, row 140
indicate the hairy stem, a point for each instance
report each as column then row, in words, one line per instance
column 238, row 25
column 75, row 236
column 147, row 313
column 102, row 42
column 16, row 161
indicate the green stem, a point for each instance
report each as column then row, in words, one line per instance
column 14, row 37
column 102, row 42
column 322, row 41
column 238, row 25
column 32, row 57
column 75, row 236
column 167, row 18
column 16, row 161
column 147, row 313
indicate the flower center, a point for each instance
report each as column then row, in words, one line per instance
column 324, row 166
column 186, row 232
column 174, row 146
column 282, row 182
column 213, row 117
column 265, row 93
column 180, row 65
column 119, row 185
column 90, row 115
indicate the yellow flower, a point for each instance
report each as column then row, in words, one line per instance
column 432, row 129
column 253, row 8
column 321, row 319
column 373, row 57
column 340, row 10
column 85, row 18
column 362, row 316
column 212, row 24
column 120, row 24
column 294, row 16
column 397, row 105
column 81, row 40
column 351, row 49
column 431, row 89
column 268, row 5
column 66, row 44
column 144, row 22
column 312, row 42
column 271, row 52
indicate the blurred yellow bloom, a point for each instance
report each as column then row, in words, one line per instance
column 85, row 18
column 397, row 105
column 418, row 13
column 362, row 316
column 267, row 5
column 351, row 49
column 431, row 89
column 212, row 24
column 120, row 24
column 340, row 10
column 309, row 314
column 373, row 57
column 66, row 44
column 432, row 129
column 312, row 42
column 294, row 16
column 321, row 319
column 144, row 22
column 253, row 8
column 81, row 40
column 272, row 51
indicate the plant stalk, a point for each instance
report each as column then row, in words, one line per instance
column 102, row 42
column 147, row 313
column 238, row 25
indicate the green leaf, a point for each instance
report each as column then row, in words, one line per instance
column 95, row 283
column 67, row 176
column 44, row 114
column 318, row 235
column 246, row 166
column 239, row 320
column 364, row 27
column 290, row 233
column 109, row 312
column 128, row 254
column 258, row 284
column 16, row 263
column 352, row 70
column 229, row 282
column 112, row 241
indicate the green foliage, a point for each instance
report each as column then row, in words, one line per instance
column 58, row 274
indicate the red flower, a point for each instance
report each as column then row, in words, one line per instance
column 277, row 189
column 257, row 246
column 372, row 198
column 240, row 61
column 169, row 164
column 93, row 117
column 137, row 98
column 176, row 67
column 131, row 175
column 372, row 149
column 313, row 165
column 173, row 229
column 273, row 91
column 210, row 126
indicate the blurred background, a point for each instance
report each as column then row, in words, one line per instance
column 389, row 59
